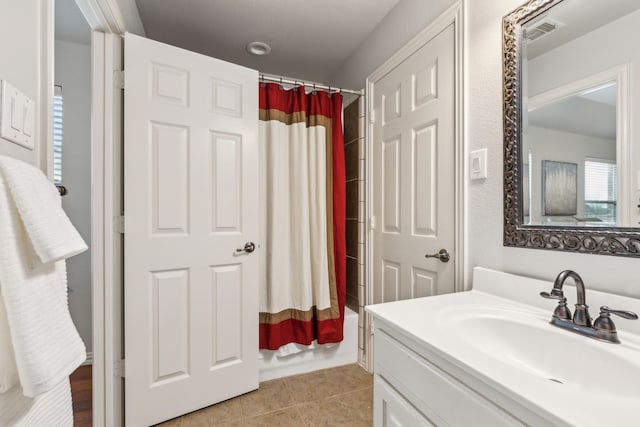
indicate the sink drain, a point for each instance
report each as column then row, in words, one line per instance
column 556, row 381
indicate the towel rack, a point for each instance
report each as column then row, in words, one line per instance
column 62, row 190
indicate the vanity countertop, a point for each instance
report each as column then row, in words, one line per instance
column 602, row 384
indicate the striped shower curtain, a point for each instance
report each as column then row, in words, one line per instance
column 301, row 139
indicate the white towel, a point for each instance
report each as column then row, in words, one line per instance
column 46, row 344
column 51, row 409
column 52, row 235
column 8, row 369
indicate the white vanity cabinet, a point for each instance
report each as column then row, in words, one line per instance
column 489, row 357
column 410, row 389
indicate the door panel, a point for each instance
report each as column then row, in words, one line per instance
column 170, row 178
column 391, row 187
column 226, row 318
column 226, row 176
column 413, row 180
column 170, row 330
column 423, row 180
column 191, row 200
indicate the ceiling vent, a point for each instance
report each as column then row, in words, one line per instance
column 542, row 28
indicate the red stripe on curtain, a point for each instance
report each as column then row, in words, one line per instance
column 272, row 97
column 334, row 332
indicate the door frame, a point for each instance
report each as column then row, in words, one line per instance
column 453, row 15
column 108, row 24
column 106, row 241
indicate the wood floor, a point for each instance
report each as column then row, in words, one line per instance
column 340, row 396
column 81, row 395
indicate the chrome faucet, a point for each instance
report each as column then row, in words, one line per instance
column 603, row 329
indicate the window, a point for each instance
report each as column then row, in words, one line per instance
column 58, row 112
column 600, row 190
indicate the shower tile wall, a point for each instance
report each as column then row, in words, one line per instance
column 352, row 169
column 354, row 165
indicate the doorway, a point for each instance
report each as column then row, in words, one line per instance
column 72, row 150
column 72, row 174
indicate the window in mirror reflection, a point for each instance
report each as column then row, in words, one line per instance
column 600, row 191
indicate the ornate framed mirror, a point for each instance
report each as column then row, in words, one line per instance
column 571, row 165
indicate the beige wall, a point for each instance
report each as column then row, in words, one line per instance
column 24, row 43
column 483, row 128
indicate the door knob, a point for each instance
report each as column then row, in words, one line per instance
column 248, row 248
column 442, row 255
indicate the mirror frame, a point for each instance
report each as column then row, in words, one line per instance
column 616, row 241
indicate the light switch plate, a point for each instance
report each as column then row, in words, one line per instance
column 478, row 164
column 17, row 116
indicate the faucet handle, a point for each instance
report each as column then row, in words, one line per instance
column 605, row 323
column 605, row 311
column 561, row 311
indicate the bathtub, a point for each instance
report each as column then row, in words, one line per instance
column 273, row 364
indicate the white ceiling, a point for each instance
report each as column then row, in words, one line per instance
column 592, row 114
column 310, row 39
column 70, row 25
column 607, row 94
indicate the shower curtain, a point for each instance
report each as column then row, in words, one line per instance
column 301, row 139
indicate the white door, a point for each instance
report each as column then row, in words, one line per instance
column 191, row 200
column 413, row 169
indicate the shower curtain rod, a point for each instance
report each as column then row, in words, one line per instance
column 295, row 82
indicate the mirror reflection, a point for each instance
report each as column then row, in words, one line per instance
column 578, row 65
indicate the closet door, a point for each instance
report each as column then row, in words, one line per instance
column 413, row 141
column 191, row 209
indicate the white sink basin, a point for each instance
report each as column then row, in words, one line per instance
column 527, row 341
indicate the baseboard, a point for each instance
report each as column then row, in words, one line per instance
column 89, row 360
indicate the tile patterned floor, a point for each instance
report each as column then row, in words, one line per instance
column 334, row 397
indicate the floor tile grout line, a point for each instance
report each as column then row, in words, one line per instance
column 272, row 411
column 304, row 422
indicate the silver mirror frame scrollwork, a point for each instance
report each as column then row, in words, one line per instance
column 602, row 241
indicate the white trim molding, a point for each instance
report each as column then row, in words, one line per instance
column 112, row 16
column 89, row 360
column 453, row 15
column 106, row 204
column 45, row 92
